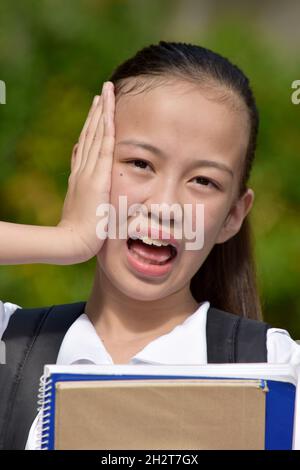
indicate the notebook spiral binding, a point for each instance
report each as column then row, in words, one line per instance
column 44, row 400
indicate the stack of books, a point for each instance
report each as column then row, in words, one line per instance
column 214, row 406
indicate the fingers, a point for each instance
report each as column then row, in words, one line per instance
column 104, row 159
column 109, row 110
column 94, row 154
column 96, row 144
column 73, row 159
column 91, row 111
column 91, row 129
column 97, row 139
column 79, row 150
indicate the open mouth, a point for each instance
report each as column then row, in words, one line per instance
column 151, row 253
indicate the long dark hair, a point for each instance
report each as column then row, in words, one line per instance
column 227, row 277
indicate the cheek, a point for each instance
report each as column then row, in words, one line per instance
column 119, row 185
column 210, row 226
column 206, row 229
column 205, row 215
column 214, row 222
column 122, row 184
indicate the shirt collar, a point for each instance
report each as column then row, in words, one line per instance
column 184, row 344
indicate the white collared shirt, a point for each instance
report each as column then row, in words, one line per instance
column 184, row 344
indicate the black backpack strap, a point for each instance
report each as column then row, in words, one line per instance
column 232, row 338
column 32, row 339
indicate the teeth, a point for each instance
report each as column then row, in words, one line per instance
column 149, row 241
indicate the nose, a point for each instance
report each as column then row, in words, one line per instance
column 163, row 204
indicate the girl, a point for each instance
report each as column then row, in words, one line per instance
column 176, row 123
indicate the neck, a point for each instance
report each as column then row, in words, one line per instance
column 116, row 315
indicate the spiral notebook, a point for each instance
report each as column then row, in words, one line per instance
column 218, row 406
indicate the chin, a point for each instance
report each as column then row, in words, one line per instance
column 140, row 290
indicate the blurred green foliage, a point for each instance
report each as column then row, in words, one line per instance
column 54, row 57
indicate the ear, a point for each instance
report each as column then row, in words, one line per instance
column 235, row 217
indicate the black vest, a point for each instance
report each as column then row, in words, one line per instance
column 33, row 338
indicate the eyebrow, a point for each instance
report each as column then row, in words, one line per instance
column 160, row 153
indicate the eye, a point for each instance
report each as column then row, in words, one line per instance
column 206, row 181
column 141, row 164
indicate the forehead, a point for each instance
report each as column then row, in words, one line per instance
column 182, row 120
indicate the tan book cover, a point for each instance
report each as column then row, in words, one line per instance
column 160, row 414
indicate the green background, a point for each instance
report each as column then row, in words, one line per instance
column 54, row 57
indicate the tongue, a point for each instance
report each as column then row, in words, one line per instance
column 151, row 252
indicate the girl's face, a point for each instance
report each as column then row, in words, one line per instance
column 186, row 127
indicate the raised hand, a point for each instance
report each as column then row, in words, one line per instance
column 89, row 182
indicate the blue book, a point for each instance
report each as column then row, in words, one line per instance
column 214, row 406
